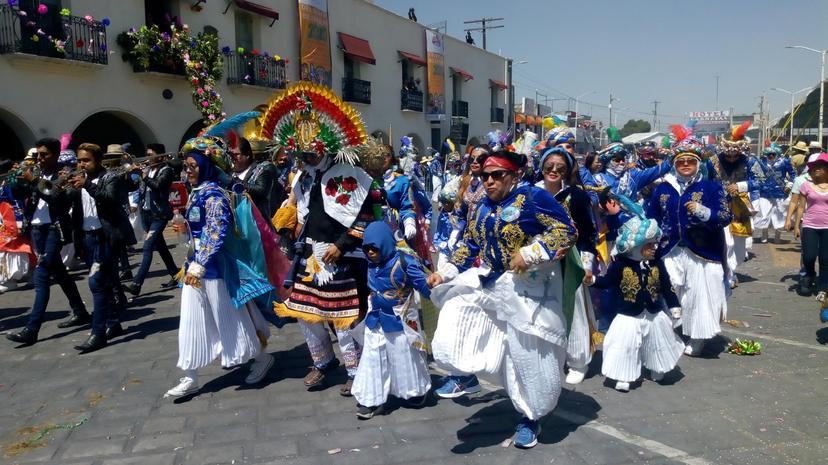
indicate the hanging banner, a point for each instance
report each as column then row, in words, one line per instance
column 314, row 42
column 436, row 76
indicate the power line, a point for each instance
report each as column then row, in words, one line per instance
column 483, row 27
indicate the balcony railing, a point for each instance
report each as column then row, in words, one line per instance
column 411, row 100
column 460, row 108
column 356, row 90
column 497, row 115
column 255, row 70
column 72, row 37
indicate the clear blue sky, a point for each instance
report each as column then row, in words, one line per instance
column 645, row 50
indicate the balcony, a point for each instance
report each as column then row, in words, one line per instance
column 356, row 90
column 52, row 35
column 460, row 109
column 497, row 115
column 411, row 100
column 255, row 70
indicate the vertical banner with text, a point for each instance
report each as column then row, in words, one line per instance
column 314, row 42
column 436, row 76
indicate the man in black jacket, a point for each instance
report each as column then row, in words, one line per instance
column 256, row 175
column 99, row 203
column 155, row 210
column 46, row 213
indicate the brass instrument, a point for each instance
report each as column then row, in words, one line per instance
column 48, row 187
column 10, row 178
column 138, row 163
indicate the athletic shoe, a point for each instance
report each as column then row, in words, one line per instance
column 259, row 368
column 622, row 386
column 823, row 315
column 694, row 347
column 656, row 376
column 457, row 386
column 575, row 376
column 526, row 435
column 185, row 386
column 366, row 413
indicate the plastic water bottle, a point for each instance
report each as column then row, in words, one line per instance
column 178, row 221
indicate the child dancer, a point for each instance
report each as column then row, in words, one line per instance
column 641, row 333
column 393, row 355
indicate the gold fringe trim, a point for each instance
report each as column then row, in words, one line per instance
column 339, row 323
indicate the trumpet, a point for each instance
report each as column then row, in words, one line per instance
column 139, row 163
column 48, row 187
column 10, row 178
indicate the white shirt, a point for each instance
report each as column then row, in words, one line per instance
column 90, row 211
column 243, row 175
column 41, row 215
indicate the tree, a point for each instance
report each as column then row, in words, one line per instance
column 635, row 125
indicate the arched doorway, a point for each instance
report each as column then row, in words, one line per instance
column 16, row 136
column 191, row 132
column 114, row 127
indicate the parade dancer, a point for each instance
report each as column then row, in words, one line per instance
column 47, row 212
column 692, row 213
column 505, row 318
column 560, row 178
column 641, row 333
column 772, row 204
column 740, row 175
column 393, row 359
column 330, row 279
column 216, row 322
column 470, row 193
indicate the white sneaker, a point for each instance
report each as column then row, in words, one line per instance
column 693, row 347
column 259, row 368
column 574, row 376
column 622, row 386
column 656, row 376
column 8, row 286
column 185, row 386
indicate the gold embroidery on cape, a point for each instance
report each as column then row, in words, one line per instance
column 630, row 284
column 696, row 196
column 654, row 284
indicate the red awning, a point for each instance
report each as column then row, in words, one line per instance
column 256, row 8
column 357, row 49
column 412, row 58
column 462, row 73
column 500, row 85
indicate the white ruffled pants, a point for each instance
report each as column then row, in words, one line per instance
column 700, row 286
column 632, row 341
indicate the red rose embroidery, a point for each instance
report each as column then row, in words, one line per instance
column 349, row 184
column 343, row 199
column 331, row 188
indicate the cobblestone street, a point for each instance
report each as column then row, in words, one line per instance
column 106, row 408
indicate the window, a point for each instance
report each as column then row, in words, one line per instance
column 161, row 13
column 211, row 30
column 351, row 69
column 244, row 30
column 495, row 94
column 406, row 72
column 456, row 85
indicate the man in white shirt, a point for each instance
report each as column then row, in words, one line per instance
column 46, row 212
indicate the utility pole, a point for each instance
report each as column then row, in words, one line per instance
column 761, row 142
column 612, row 99
column 483, row 27
column 655, row 115
column 717, row 92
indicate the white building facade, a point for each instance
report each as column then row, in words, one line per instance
column 96, row 96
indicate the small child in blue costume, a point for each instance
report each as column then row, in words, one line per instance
column 641, row 333
column 393, row 355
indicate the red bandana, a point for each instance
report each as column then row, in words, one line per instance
column 500, row 162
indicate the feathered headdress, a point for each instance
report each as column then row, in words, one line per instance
column 685, row 143
column 638, row 230
column 229, row 128
column 311, row 118
column 737, row 139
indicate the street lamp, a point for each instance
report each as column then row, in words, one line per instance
column 792, row 94
column 821, row 82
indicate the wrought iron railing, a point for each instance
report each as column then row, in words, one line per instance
column 497, row 115
column 52, row 35
column 255, row 70
column 411, row 100
column 356, row 90
column 460, row 108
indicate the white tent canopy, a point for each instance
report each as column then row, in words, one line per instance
column 640, row 137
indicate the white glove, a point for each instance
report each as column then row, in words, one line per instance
column 702, row 212
column 453, row 238
column 676, row 312
column 410, row 228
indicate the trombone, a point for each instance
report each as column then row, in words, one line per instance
column 138, row 163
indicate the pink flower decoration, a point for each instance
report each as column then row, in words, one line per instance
column 211, row 117
column 200, row 91
column 89, row 18
column 205, row 104
column 42, row 9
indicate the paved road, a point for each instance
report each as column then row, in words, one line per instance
column 106, row 407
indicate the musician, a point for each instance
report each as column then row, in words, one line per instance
column 47, row 217
column 256, row 175
column 105, row 222
column 155, row 212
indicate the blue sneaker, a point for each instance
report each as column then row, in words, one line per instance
column 823, row 315
column 456, row 386
column 526, row 436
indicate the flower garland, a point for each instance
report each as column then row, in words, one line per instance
column 60, row 45
column 178, row 51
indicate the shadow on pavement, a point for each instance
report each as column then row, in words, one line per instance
column 822, row 336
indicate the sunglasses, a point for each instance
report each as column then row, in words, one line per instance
column 560, row 169
column 686, row 162
column 495, row 175
column 190, row 168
